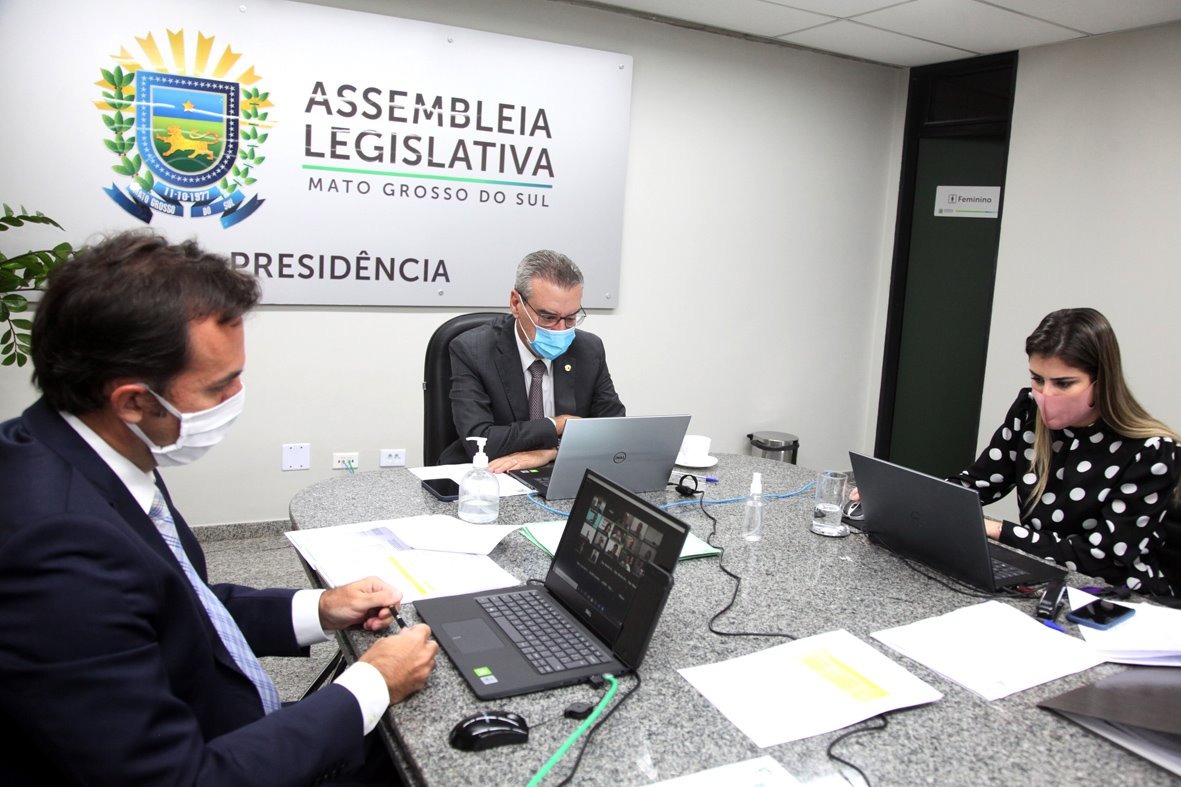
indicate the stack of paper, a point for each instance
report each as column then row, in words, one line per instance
column 1151, row 637
column 422, row 556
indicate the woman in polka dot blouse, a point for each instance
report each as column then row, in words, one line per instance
column 1093, row 470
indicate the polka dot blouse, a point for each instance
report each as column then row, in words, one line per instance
column 1100, row 513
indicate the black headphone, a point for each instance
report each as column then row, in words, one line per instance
column 684, row 488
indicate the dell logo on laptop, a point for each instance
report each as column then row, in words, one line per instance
column 620, row 457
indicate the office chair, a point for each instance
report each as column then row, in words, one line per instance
column 438, row 427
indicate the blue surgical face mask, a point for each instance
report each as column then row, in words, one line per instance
column 550, row 344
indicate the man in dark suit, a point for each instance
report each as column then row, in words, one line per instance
column 533, row 353
column 118, row 661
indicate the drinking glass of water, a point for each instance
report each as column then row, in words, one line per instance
column 831, row 487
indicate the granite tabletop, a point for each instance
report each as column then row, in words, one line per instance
column 793, row 582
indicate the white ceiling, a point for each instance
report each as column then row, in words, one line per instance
column 906, row 32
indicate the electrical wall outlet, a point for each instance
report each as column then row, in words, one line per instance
column 344, row 460
column 391, row 457
column 297, row 456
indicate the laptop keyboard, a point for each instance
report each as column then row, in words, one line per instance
column 1002, row 571
column 540, row 632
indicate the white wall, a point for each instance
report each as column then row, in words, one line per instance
column 757, row 237
column 1090, row 215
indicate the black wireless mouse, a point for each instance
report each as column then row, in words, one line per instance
column 853, row 512
column 488, row 729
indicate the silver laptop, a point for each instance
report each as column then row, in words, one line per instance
column 636, row 452
column 940, row 524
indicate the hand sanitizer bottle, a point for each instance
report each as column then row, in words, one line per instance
column 479, row 491
column 752, row 518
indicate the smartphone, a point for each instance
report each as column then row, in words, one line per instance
column 443, row 488
column 1100, row 614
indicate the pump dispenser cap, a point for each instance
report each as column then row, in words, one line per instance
column 481, row 459
column 756, row 484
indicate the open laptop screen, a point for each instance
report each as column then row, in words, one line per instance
column 609, row 540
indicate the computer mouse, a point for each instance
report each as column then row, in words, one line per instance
column 488, row 729
column 853, row 511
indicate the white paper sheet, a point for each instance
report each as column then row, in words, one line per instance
column 346, row 553
column 991, row 648
column 807, row 687
column 509, row 486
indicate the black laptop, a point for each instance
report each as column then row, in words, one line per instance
column 601, row 601
column 940, row 524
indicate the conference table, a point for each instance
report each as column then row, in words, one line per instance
column 793, row 582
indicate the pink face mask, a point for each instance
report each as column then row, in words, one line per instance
column 1063, row 410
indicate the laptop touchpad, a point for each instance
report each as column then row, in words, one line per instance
column 472, row 636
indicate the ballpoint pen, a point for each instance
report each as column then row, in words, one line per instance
column 707, row 478
column 401, row 621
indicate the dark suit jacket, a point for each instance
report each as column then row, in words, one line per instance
column 110, row 670
column 489, row 399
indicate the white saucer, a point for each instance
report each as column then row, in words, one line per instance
column 708, row 461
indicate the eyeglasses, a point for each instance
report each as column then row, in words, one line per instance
column 551, row 320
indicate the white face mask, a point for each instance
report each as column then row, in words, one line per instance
column 199, row 431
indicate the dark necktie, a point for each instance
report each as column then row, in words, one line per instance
column 536, row 400
column 223, row 622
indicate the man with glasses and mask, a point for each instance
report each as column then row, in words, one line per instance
column 520, row 378
column 119, row 662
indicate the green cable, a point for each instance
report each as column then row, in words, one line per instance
column 587, row 722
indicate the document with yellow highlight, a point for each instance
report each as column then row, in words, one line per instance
column 423, row 557
column 807, row 687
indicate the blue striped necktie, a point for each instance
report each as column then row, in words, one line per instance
column 227, row 629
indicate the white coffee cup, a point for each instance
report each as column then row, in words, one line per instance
column 695, row 448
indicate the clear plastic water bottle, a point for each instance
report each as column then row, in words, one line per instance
column 752, row 517
column 479, row 491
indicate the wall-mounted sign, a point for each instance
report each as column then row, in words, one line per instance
column 341, row 157
column 968, row 202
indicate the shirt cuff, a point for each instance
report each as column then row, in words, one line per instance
column 368, row 686
column 305, row 618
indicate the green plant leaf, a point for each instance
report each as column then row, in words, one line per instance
column 259, row 159
column 14, row 302
column 21, row 359
column 7, row 337
column 262, row 138
column 9, row 359
column 25, row 324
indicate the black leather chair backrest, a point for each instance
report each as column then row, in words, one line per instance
column 438, row 427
